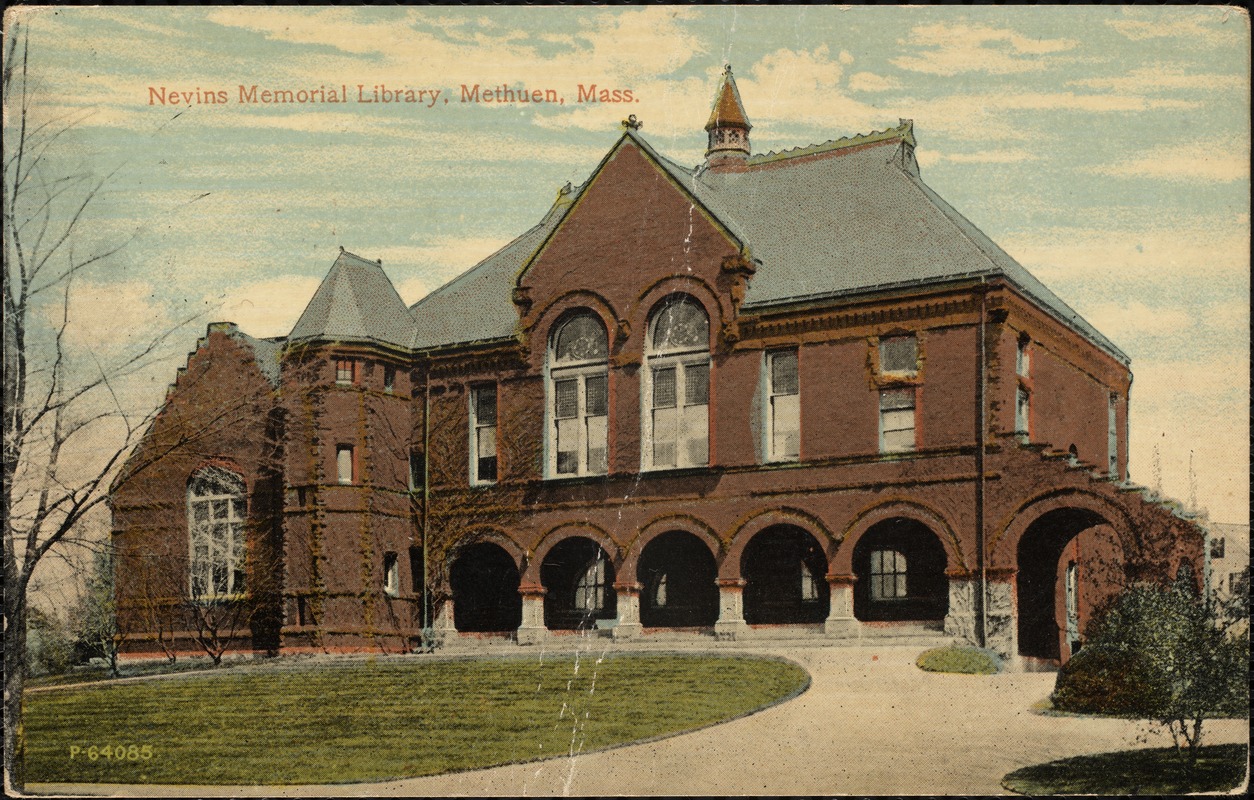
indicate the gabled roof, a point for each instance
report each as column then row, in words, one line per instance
column 829, row 221
column 728, row 111
column 356, row 303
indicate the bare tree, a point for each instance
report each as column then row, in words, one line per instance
column 67, row 430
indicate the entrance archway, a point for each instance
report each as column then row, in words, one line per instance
column 677, row 572
column 579, row 581
column 484, row 580
column 1067, row 565
column 784, row 569
column 900, row 565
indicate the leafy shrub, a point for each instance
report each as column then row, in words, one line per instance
column 962, row 659
column 1104, row 680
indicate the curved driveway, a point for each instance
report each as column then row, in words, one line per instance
column 871, row 723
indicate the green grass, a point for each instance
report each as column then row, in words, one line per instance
column 960, row 659
column 1157, row 771
column 385, row 719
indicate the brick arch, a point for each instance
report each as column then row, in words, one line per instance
column 729, row 569
column 933, row 520
column 493, row 535
column 1003, row 548
column 675, row 522
column 539, row 324
column 559, row 534
column 641, row 309
column 226, row 464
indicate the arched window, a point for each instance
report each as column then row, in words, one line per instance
column 677, row 386
column 216, row 511
column 578, row 407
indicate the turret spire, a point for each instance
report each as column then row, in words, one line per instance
column 729, row 126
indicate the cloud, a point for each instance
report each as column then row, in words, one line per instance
column 1163, row 77
column 111, row 315
column 1207, row 25
column 952, row 48
column 263, row 308
column 1196, row 162
column 1134, row 318
column 870, row 82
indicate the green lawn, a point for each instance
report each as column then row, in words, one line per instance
column 1158, row 771
column 386, row 719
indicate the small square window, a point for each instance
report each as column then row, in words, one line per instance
column 899, row 355
column 345, row 372
column 1217, row 548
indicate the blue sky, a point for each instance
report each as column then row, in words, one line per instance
column 1106, row 148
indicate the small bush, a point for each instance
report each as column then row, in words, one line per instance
column 1104, row 680
column 961, row 659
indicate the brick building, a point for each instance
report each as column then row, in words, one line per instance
column 794, row 389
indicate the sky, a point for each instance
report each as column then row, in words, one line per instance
column 1105, row 148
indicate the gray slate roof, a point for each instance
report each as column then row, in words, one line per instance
column 356, row 303
column 840, row 221
column 478, row 305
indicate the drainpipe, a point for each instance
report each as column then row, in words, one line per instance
column 981, row 391
column 426, row 501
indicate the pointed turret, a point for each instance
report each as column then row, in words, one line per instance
column 356, row 303
column 728, row 127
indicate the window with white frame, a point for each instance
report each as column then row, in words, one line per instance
column 784, row 396
column 677, row 386
column 578, row 398
column 1023, row 358
column 483, row 434
column 899, row 355
column 215, row 515
column 888, row 575
column 897, row 420
column 809, row 584
column 391, row 575
column 345, row 372
column 1023, row 411
column 1112, row 436
column 345, row 464
column 590, row 589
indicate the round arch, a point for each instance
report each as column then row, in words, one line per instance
column 1004, row 543
column 640, row 312
column 559, row 534
column 899, row 563
column 494, row 536
column 627, row 571
column 784, row 568
column 730, row 567
column 677, row 575
column 483, row 579
column 842, row 564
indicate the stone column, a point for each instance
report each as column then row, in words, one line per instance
column 628, row 624
column 532, row 630
column 442, row 626
column 840, row 620
column 962, row 620
column 1002, row 635
column 731, row 609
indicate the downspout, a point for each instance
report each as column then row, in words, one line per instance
column 981, row 391
column 426, row 501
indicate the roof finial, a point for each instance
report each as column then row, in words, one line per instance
column 631, row 123
column 727, row 70
column 341, row 248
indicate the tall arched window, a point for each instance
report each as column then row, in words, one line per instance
column 578, row 406
column 216, row 511
column 677, row 386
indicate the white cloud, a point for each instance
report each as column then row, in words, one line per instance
column 952, row 48
column 108, row 315
column 1195, row 162
column 1121, row 321
column 870, row 82
column 1205, row 251
column 264, row 308
column 1161, row 77
column 1214, row 24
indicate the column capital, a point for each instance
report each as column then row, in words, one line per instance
column 731, row 583
column 532, row 590
column 841, row 580
column 628, row 588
